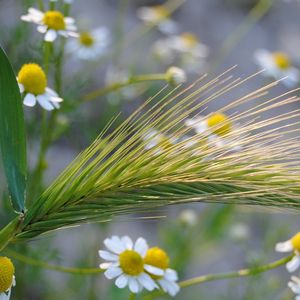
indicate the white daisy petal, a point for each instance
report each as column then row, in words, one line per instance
column 141, row 246
column 108, row 256
column 113, row 272
column 293, row 264
column 171, row 275
column 21, row 87
column 127, row 242
column 69, row 20
column 50, row 35
column 284, row 246
column 42, row 29
column 147, row 282
column 133, row 285
column 114, row 245
column 122, row 281
column 44, row 102
column 154, row 270
column 170, row 287
column 29, row 100
column 51, row 92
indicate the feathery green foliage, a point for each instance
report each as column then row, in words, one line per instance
column 119, row 174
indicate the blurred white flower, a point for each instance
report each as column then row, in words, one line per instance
column 158, row 258
column 175, row 76
column 7, row 278
column 277, row 65
column 185, row 49
column 188, row 217
column 294, row 285
column 291, row 245
column 125, row 261
column 90, row 45
column 51, row 23
column 32, row 82
column 239, row 231
column 158, row 15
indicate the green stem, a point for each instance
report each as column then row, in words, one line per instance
column 9, row 231
column 40, row 264
column 132, row 296
column 229, row 275
column 118, row 85
column 255, row 14
column 41, row 5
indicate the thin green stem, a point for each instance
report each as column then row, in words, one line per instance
column 41, row 264
column 255, row 14
column 41, row 5
column 240, row 273
column 235, row 274
column 118, row 85
column 132, row 296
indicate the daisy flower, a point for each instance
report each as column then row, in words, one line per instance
column 51, row 23
column 217, row 124
column 158, row 258
column 185, row 49
column 7, row 278
column 158, row 15
column 175, row 76
column 90, row 45
column 125, row 262
column 32, row 82
column 294, row 285
column 277, row 65
column 291, row 245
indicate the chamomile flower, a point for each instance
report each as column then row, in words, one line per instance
column 90, row 45
column 277, row 65
column 125, row 262
column 185, row 49
column 32, row 82
column 51, row 23
column 175, row 76
column 7, row 278
column 291, row 245
column 294, row 285
column 158, row 258
column 217, row 124
column 158, row 15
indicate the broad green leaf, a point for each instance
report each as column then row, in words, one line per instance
column 12, row 134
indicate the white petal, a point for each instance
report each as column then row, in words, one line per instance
column 154, row 270
column 147, row 282
column 114, row 244
column 35, row 12
column 105, row 265
column 26, row 18
column 44, row 102
column 284, row 246
column 21, row 87
column 55, row 98
column 293, row 264
column 42, row 28
column 50, row 36
column 4, row 296
column 51, row 92
column 171, row 275
column 133, row 285
column 170, row 287
column 108, row 256
column 55, row 104
column 113, row 272
column 294, row 287
column 141, row 246
column 122, row 281
column 127, row 242
column 29, row 100
column 69, row 20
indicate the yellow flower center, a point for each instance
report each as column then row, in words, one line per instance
column 219, row 123
column 86, row 39
column 160, row 11
column 33, row 78
column 190, row 39
column 158, row 258
column 131, row 262
column 295, row 240
column 281, row 60
column 7, row 271
column 54, row 20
